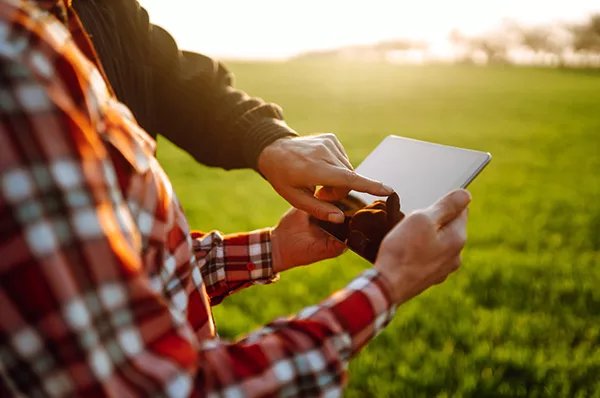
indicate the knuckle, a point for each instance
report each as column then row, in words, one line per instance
column 352, row 176
column 419, row 219
column 319, row 149
column 451, row 206
column 449, row 201
column 320, row 212
column 330, row 145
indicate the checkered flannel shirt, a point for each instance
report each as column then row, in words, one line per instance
column 104, row 291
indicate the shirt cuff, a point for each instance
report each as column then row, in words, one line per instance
column 230, row 263
column 249, row 257
column 262, row 134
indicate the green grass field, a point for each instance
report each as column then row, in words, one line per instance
column 522, row 316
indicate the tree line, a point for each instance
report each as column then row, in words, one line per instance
column 568, row 45
column 576, row 44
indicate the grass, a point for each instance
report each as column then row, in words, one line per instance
column 522, row 316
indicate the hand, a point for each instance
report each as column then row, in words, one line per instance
column 296, row 241
column 426, row 247
column 296, row 166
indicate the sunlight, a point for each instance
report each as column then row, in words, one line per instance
column 275, row 29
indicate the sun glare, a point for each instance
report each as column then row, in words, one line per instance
column 279, row 29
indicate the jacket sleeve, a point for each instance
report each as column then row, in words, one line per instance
column 201, row 111
column 188, row 98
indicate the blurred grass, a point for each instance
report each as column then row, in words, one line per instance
column 522, row 316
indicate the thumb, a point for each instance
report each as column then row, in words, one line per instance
column 304, row 200
column 449, row 207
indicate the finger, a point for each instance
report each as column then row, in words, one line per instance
column 454, row 234
column 339, row 158
column 339, row 177
column 449, row 207
column 337, row 143
column 343, row 156
column 319, row 209
column 335, row 247
column 456, row 263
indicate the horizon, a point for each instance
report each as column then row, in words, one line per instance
column 258, row 31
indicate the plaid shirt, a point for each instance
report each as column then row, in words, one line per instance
column 104, row 290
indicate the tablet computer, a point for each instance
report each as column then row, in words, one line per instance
column 420, row 173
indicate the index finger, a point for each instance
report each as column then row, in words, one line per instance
column 450, row 207
column 341, row 177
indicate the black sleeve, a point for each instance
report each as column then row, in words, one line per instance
column 202, row 113
column 186, row 97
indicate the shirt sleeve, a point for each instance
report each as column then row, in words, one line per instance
column 303, row 355
column 79, row 314
column 229, row 263
column 79, row 311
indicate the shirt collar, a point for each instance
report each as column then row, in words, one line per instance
column 50, row 4
column 56, row 7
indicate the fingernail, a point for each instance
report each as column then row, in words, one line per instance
column 336, row 218
column 388, row 190
column 468, row 196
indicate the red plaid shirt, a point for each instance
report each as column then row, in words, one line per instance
column 104, row 291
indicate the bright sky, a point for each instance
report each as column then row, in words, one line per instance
column 280, row 28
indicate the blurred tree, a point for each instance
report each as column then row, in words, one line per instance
column 548, row 43
column 535, row 39
column 494, row 46
column 586, row 37
column 396, row 45
column 460, row 43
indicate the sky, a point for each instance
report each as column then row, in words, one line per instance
column 277, row 29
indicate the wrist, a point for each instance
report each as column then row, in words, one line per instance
column 271, row 153
column 276, row 255
column 395, row 281
column 272, row 150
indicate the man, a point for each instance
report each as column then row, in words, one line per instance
column 104, row 291
column 189, row 98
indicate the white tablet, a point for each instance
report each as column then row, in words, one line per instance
column 420, row 172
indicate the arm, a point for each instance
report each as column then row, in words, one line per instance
column 78, row 304
column 204, row 114
column 189, row 98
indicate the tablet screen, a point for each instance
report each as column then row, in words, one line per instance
column 420, row 173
